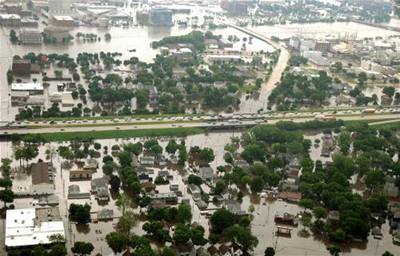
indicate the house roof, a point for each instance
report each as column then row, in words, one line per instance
column 40, row 173
column 26, row 87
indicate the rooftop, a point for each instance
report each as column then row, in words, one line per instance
column 40, row 173
column 21, row 229
column 26, row 87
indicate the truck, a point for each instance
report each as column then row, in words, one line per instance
column 325, row 117
column 369, row 111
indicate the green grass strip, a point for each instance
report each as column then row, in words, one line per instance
column 112, row 134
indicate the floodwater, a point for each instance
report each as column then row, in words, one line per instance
column 321, row 30
column 263, row 226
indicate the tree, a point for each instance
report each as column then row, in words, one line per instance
column 13, row 36
column 107, row 36
column 58, row 250
column 344, row 142
column 124, row 202
column 269, row 251
column 117, row 241
column 221, row 219
column 181, row 234
column 243, row 237
column 79, row 213
column 168, row 252
column 387, row 253
column 306, row 203
column 334, row 250
column 194, row 179
column 7, row 196
column 108, row 168
column 197, row 235
column 115, row 182
column 253, row 152
column 389, row 90
column 39, row 251
column 206, row 155
column 182, row 157
column 5, row 167
column 184, row 214
column 82, row 248
column 220, row 187
column 320, row 212
column 172, row 147
column 136, row 148
column 124, row 158
column 155, row 231
column 5, row 183
column 374, row 179
column 256, row 184
column 126, row 222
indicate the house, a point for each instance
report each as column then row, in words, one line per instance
column 81, row 174
column 290, row 184
column 42, row 178
column 328, row 145
column 293, row 197
column 167, row 198
column 213, row 251
column 105, row 214
column 285, row 218
column 99, row 187
column 144, row 177
column 91, row 164
column 147, row 160
column 390, row 189
column 55, row 34
column 185, row 250
column 194, row 189
column 74, row 192
column 135, row 161
column 234, row 207
column 242, row 164
column 161, row 160
column 24, row 228
column 148, row 186
column 333, row 217
column 206, row 173
column 174, row 187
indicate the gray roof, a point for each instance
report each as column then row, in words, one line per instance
column 105, row 214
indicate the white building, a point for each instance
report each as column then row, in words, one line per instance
column 32, row 88
column 24, row 229
column 316, row 58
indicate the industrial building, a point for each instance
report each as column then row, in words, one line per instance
column 30, row 36
column 160, row 16
column 25, row 227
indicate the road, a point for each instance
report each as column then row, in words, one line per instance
column 224, row 123
column 5, row 64
column 254, row 105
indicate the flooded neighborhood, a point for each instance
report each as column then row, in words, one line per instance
column 227, row 127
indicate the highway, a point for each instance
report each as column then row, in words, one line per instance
column 211, row 122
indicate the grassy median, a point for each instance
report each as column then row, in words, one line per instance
column 114, row 134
